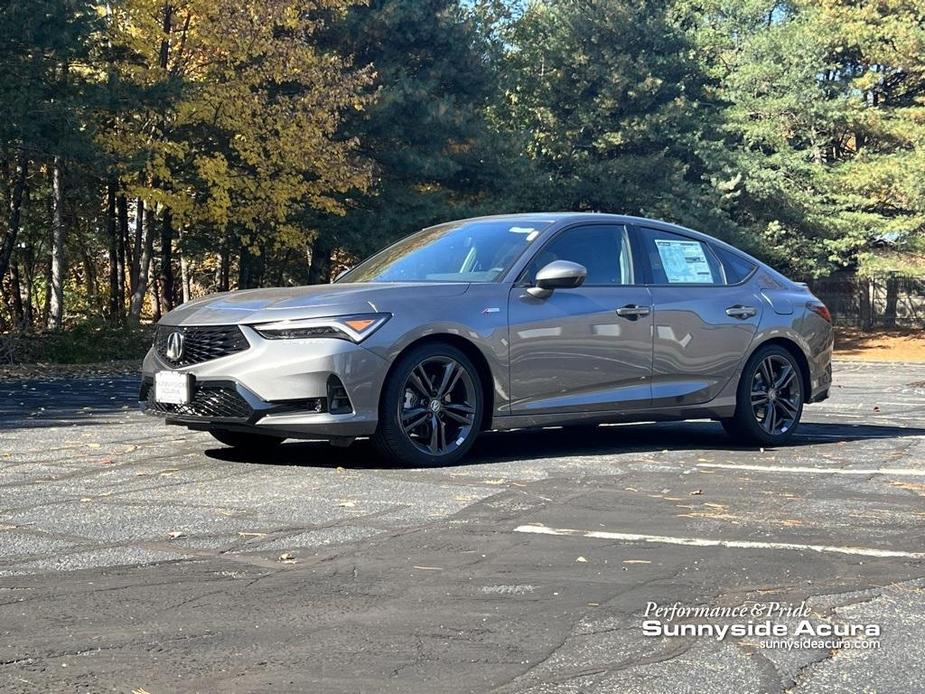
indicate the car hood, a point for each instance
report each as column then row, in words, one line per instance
column 249, row 306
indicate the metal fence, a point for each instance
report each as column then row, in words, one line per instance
column 887, row 301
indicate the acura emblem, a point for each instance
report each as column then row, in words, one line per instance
column 175, row 346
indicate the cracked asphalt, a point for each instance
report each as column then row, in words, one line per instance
column 135, row 556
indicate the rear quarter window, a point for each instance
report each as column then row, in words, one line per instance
column 735, row 267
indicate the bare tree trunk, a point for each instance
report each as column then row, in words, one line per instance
column 144, row 261
column 224, row 267
column 184, row 270
column 865, row 307
column 892, row 299
column 27, row 290
column 167, row 260
column 113, row 250
column 122, row 241
column 19, row 316
column 46, row 297
column 16, row 196
column 90, row 278
column 137, row 236
column 56, row 306
column 157, row 299
column 319, row 268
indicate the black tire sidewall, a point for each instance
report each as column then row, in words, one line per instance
column 390, row 438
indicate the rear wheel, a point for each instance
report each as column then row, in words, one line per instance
column 431, row 407
column 769, row 401
column 246, row 440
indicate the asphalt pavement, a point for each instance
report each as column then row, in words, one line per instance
column 140, row 557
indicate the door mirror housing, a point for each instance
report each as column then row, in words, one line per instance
column 559, row 274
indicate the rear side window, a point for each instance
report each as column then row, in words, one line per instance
column 736, row 267
column 603, row 249
column 677, row 259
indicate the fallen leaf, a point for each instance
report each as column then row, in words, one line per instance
column 581, row 560
column 697, row 492
column 287, row 558
column 176, row 534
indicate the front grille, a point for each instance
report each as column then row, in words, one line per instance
column 200, row 343
column 208, row 402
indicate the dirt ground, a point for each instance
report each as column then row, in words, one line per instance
column 881, row 345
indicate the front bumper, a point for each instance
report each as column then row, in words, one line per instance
column 312, row 388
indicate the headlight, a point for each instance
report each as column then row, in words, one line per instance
column 355, row 328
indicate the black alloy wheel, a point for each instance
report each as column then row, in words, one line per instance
column 431, row 407
column 776, row 396
column 769, row 399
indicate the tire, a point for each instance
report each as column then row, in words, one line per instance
column 768, row 414
column 431, row 407
column 245, row 440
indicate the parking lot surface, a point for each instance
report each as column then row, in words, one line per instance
column 135, row 556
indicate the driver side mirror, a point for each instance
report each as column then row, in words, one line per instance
column 559, row 274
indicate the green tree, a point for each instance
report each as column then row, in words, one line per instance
column 614, row 110
column 426, row 134
column 823, row 121
column 45, row 92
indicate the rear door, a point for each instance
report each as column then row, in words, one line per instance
column 583, row 349
column 703, row 321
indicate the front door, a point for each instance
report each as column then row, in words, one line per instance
column 585, row 349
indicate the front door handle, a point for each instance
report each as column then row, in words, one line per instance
column 632, row 311
column 741, row 312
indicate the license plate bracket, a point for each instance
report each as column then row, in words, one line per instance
column 173, row 387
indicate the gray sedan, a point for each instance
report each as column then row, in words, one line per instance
column 499, row 323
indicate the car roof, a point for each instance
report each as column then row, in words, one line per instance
column 554, row 217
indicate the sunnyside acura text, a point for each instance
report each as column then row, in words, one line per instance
column 498, row 323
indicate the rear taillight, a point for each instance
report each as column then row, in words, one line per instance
column 820, row 309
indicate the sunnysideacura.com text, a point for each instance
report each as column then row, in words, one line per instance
column 770, row 624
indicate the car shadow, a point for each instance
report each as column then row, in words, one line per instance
column 556, row 442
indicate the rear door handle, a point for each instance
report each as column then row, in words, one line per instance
column 632, row 311
column 741, row 312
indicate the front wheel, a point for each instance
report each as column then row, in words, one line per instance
column 769, row 401
column 431, row 407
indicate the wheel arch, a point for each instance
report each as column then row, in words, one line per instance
column 471, row 350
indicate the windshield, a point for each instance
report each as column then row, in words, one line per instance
column 476, row 251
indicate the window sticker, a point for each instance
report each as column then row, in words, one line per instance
column 684, row 262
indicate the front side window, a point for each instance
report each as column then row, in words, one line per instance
column 677, row 259
column 603, row 249
column 474, row 251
